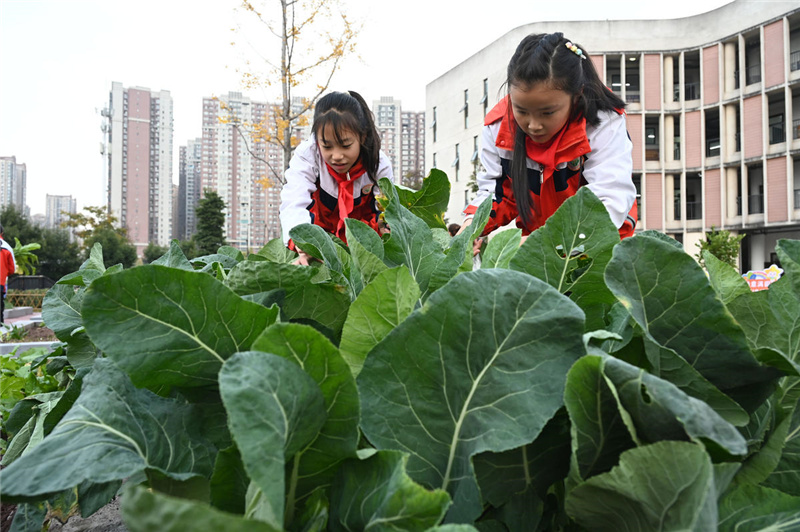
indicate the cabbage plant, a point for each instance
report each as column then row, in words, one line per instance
column 574, row 382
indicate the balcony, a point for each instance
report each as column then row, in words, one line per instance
column 694, row 210
column 797, row 199
column 755, row 204
column 794, row 61
column 776, row 134
column 712, row 148
column 692, row 91
column 633, row 96
column 752, row 74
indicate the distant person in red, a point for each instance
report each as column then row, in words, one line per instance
column 7, row 266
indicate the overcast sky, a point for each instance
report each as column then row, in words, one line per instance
column 58, row 59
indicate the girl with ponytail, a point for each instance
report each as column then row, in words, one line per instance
column 333, row 175
column 557, row 129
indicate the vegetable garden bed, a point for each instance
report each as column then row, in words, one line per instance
column 575, row 382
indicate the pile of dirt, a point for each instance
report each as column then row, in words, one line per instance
column 37, row 333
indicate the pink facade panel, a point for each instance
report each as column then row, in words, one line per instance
column 694, row 140
column 599, row 65
column 652, row 82
column 711, row 74
column 752, row 127
column 137, row 195
column 713, row 198
column 653, row 201
column 777, row 209
column 774, row 62
column 635, row 131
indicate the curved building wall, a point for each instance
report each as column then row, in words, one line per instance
column 713, row 112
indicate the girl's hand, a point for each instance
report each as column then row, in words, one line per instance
column 303, row 258
column 477, row 243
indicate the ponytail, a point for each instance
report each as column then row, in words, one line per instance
column 349, row 111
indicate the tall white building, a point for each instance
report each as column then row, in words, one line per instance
column 140, row 131
column 713, row 111
column 13, row 183
column 56, row 208
column 189, row 191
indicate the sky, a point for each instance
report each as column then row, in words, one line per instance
column 58, row 59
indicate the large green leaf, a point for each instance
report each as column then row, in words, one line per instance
column 324, row 303
column 366, row 249
column 377, row 494
column 145, row 511
column 670, row 297
column 536, row 466
column 166, row 326
column 670, row 366
column 315, row 241
column 459, row 252
column 411, row 241
column 771, row 318
column 599, row 434
column 274, row 409
column 113, row 431
column 429, row 203
column 61, row 311
column 314, row 466
column 501, row 249
column 665, row 486
column 758, row 509
column 276, row 251
column 174, row 258
column 570, row 253
column 786, row 474
column 659, row 410
column 726, row 281
column 380, row 307
column 480, row 367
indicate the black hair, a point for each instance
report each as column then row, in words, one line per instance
column 545, row 57
column 348, row 111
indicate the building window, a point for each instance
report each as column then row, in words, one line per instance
column 434, row 161
column 632, row 92
column 433, row 125
column 755, row 189
column 475, row 159
column 752, row 58
column 776, row 133
column 485, row 99
column 456, row 163
column 465, row 108
column 651, row 139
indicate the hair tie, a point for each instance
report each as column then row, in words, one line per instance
column 577, row 51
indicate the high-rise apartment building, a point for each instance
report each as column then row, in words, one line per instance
column 713, row 113
column 140, row 130
column 13, row 183
column 388, row 119
column 241, row 169
column 412, row 148
column 189, row 191
column 402, row 139
column 57, row 209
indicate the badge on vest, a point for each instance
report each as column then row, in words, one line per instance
column 366, row 190
column 575, row 164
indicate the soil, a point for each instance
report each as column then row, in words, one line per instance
column 37, row 333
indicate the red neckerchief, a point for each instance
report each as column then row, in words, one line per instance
column 569, row 143
column 345, row 182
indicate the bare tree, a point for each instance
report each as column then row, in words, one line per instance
column 314, row 36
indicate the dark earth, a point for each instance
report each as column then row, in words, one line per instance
column 38, row 333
